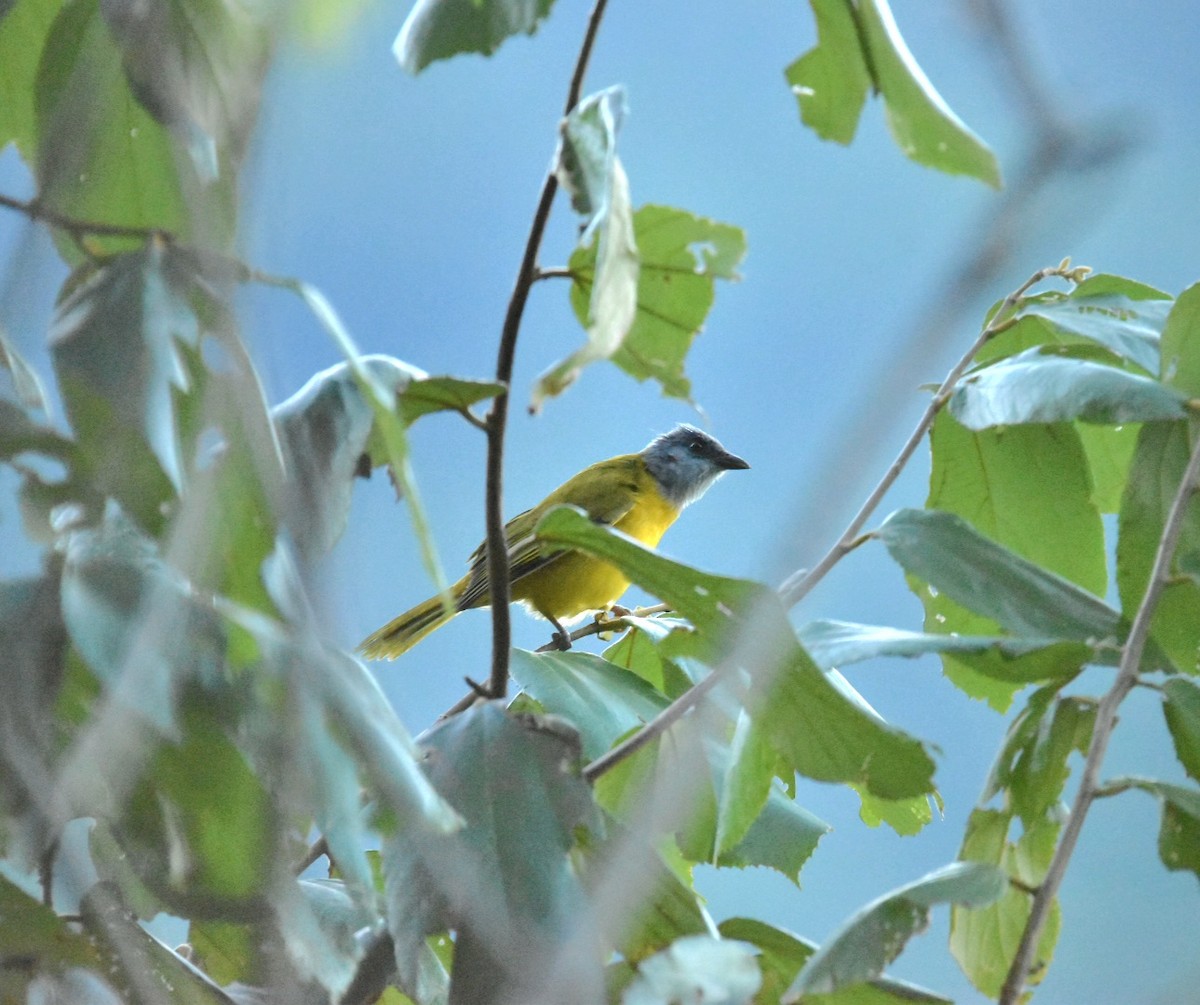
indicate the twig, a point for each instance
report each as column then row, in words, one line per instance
column 319, row 848
column 797, row 587
column 1106, row 720
column 654, row 728
column 497, row 418
column 600, row 625
column 558, row 272
column 81, row 228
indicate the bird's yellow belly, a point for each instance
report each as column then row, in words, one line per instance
column 577, row 583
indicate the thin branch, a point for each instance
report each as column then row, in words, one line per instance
column 601, row 625
column 81, row 228
column 497, row 418
column 654, row 728
column 797, row 586
column 557, row 272
column 1106, row 720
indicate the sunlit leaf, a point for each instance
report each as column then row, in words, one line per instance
column 1109, row 452
column 831, row 80
column 1181, row 707
column 1181, row 343
column 682, row 256
column 426, row 395
column 820, row 730
column 1158, row 466
column 697, row 968
column 439, row 29
column 876, row 935
column 1036, row 386
column 924, row 127
column 984, row 939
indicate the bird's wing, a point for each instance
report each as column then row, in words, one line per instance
column 606, row 492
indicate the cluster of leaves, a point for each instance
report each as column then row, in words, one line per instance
column 164, row 685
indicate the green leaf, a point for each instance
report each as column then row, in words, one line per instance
column 103, row 157
column 984, row 939
column 439, row 29
column 138, row 964
column 23, row 32
column 1181, row 707
column 201, row 804
column 1024, row 598
column 1154, row 477
column 504, row 881
column 667, row 908
column 1181, row 343
column 1179, row 832
column 875, row 936
column 33, row 640
column 697, row 968
column 831, row 80
column 923, row 126
column 136, row 624
column 1119, row 314
column 114, row 344
column 1109, row 452
column 197, row 67
column 1027, row 488
column 638, row 650
column 682, row 256
column 426, row 395
column 905, row 816
column 327, row 428
column 837, row 643
column 1036, row 386
column 602, row 701
column 782, row 954
column 1032, row 765
column 746, row 782
column 591, row 172
column 50, row 951
column 821, row 730
column 782, row 836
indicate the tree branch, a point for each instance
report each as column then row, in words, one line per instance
column 1106, row 720
column 497, row 418
column 796, row 587
column 78, row 229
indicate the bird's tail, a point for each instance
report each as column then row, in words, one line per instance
column 400, row 634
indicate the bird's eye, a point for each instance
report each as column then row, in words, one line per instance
column 694, row 446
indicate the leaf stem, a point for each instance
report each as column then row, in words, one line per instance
column 497, row 417
column 1106, row 720
column 797, row 586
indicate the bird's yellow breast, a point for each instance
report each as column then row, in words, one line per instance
column 577, row 583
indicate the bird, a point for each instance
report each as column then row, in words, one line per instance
column 640, row 494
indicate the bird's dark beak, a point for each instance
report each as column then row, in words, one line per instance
column 729, row 462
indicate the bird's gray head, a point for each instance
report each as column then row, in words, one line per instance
column 686, row 461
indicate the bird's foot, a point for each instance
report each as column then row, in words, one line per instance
column 561, row 638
